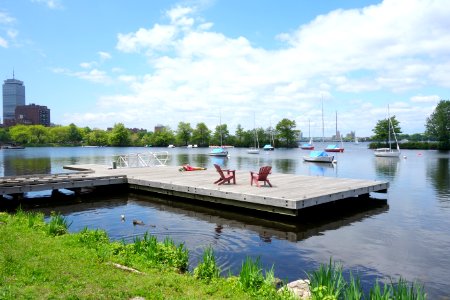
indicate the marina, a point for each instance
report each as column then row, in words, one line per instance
column 411, row 218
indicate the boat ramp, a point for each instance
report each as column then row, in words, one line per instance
column 289, row 194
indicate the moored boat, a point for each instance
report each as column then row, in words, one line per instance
column 318, row 156
column 218, row 152
column 334, row 148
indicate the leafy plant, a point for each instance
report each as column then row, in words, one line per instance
column 251, row 277
column 57, row 225
column 327, row 282
column 208, row 268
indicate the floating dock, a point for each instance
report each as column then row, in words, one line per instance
column 289, row 194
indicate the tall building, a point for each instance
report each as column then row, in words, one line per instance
column 13, row 96
column 32, row 115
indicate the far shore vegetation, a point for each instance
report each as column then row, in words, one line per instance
column 284, row 135
column 40, row 260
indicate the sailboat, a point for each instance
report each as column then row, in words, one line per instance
column 255, row 149
column 270, row 147
column 219, row 151
column 335, row 148
column 389, row 152
column 308, row 146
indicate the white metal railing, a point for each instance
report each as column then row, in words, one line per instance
column 140, row 160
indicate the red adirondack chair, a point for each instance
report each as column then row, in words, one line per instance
column 230, row 175
column 261, row 176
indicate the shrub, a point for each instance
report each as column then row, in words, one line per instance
column 57, row 225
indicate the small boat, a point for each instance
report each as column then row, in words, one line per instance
column 171, row 146
column 319, row 156
column 13, row 147
column 218, row 152
column 334, row 148
column 255, row 149
column 308, row 146
column 268, row 147
column 388, row 152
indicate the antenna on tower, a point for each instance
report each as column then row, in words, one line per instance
column 13, row 73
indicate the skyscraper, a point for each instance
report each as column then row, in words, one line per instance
column 13, row 95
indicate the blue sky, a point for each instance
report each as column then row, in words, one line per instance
column 96, row 63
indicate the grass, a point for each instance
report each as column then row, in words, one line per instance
column 328, row 283
column 40, row 260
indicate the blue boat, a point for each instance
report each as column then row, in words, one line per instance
column 218, row 152
column 268, row 147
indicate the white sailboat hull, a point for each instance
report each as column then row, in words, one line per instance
column 386, row 152
column 323, row 159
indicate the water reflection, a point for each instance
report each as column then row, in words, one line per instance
column 286, row 165
column 221, row 161
column 320, row 169
column 19, row 166
column 386, row 167
column 439, row 173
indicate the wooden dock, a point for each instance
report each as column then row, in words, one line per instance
column 17, row 185
column 289, row 194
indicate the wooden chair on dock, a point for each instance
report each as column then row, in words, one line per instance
column 261, row 176
column 230, row 175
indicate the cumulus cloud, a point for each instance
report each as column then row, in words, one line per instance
column 52, row 4
column 397, row 46
column 3, row 42
column 426, row 99
column 104, row 55
column 5, row 18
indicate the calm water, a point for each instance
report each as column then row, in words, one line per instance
column 408, row 236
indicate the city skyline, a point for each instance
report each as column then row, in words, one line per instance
column 100, row 63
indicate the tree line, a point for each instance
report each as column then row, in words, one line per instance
column 285, row 134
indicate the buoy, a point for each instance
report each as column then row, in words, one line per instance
column 122, row 217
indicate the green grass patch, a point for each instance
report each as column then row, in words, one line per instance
column 40, row 260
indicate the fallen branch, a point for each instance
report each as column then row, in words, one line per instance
column 125, row 268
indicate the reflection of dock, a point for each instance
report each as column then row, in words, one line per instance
column 293, row 229
column 290, row 193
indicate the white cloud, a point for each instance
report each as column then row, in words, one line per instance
column 5, row 18
column 104, row 55
column 93, row 75
column 426, row 99
column 3, row 43
column 394, row 47
column 52, row 4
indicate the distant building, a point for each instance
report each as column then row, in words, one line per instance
column 32, row 115
column 159, row 128
column 13, row 96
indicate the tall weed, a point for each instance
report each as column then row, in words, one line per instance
column 57, row 225
column 207, row 269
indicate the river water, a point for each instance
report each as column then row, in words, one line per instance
column 408, row 236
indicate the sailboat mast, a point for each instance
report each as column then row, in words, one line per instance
column 389, row 127
column 336, row 126
column 323, row 125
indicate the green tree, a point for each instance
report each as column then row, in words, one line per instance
column 163, row 138
column 381, row 129
column 20, row 134
column 240, row 136
column 40, row 134
column 221, row 134
column 438, row 124
column 201, row 135
column 184, row 133
column 75, row 137
column 287, row 132
column 59, row 135
column 4, row 136
column 119, row 136
column 97, row 137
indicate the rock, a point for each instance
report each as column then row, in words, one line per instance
column 300, row 288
